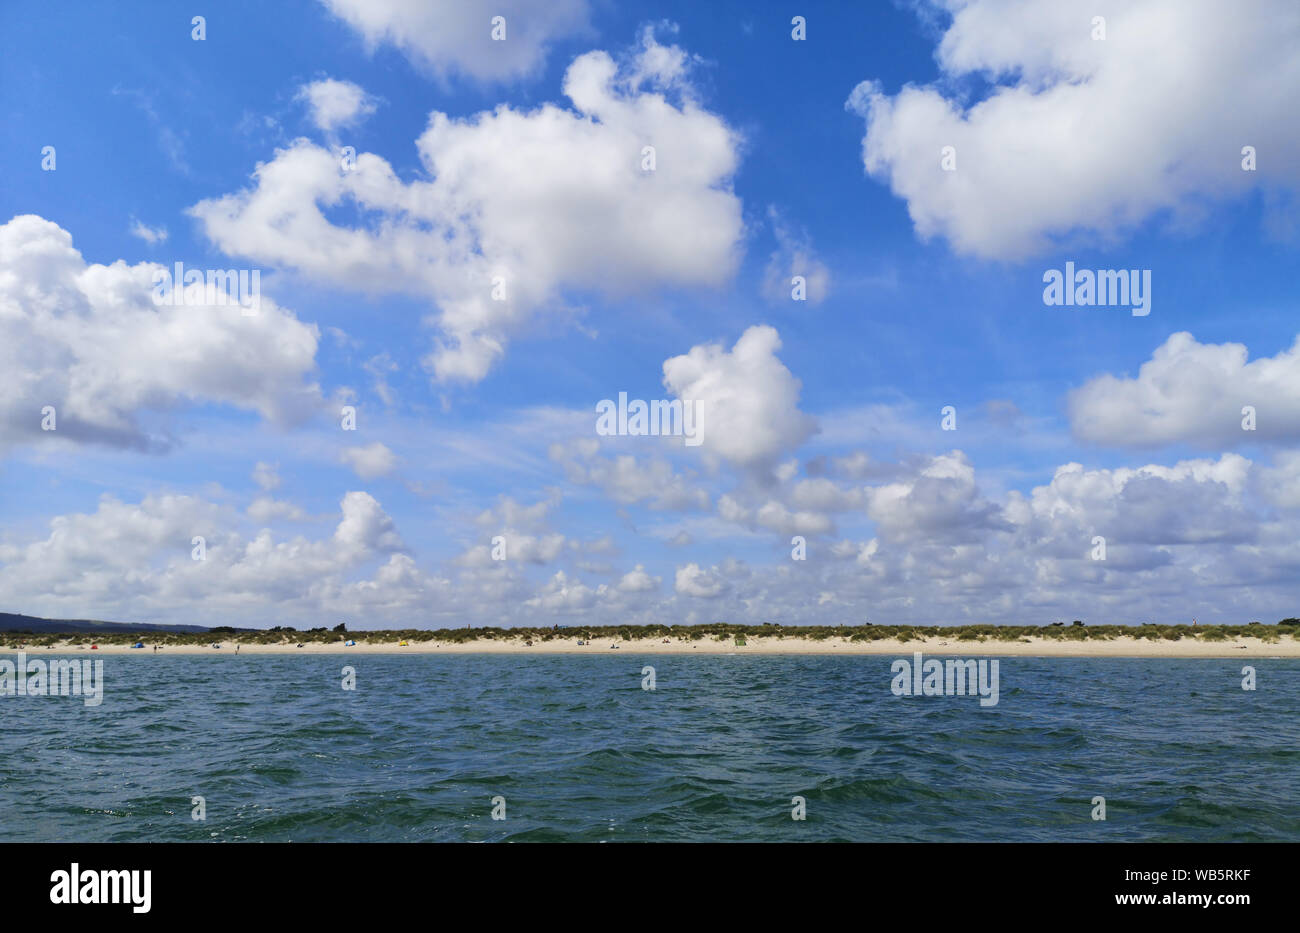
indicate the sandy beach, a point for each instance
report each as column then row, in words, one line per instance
column 1119, row 647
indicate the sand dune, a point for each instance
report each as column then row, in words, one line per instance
column 1121, row 647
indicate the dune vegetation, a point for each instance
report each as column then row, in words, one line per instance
column 719, row 631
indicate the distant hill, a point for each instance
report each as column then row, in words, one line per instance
column 12, row 621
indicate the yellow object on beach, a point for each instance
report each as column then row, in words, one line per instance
column 401, row 644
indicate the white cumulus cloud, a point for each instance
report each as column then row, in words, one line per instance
column 89, row 341
column 334, row 104
column 447, row 37
column 516, row 207
column 750, row 413
column 1084, row 135
column 1194, row 393
column 692, row 580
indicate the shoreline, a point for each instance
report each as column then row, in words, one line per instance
column 1119, row 647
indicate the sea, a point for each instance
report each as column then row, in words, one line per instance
column 733, row 748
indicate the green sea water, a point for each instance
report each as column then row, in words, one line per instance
column 574, row 749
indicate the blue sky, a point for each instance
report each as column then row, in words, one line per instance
column 926, row 291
